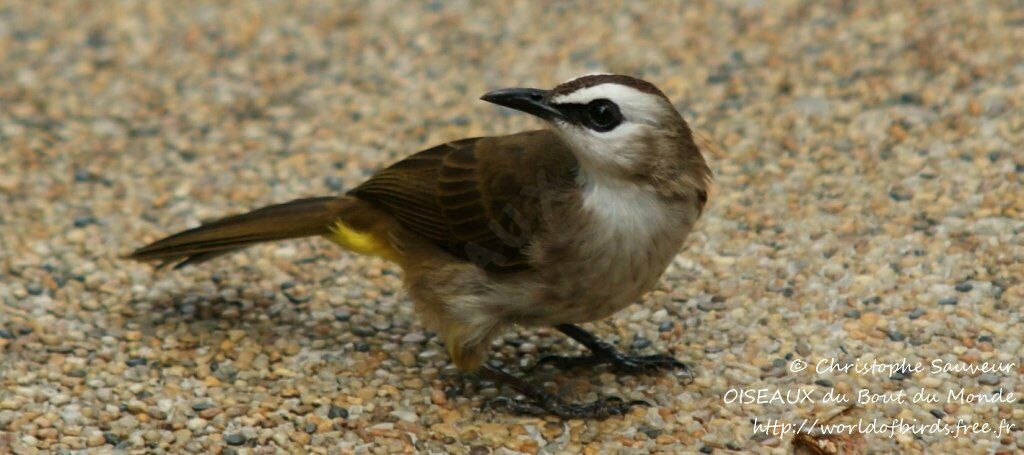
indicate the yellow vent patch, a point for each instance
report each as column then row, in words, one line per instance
column 360, row 242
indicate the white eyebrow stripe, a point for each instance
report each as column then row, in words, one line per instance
column 615, row 92
column 635, row 105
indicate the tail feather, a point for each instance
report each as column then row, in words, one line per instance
column 298, row 218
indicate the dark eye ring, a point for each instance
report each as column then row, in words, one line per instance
column 603, row 115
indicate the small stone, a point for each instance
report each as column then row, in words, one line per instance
column 407, row 358
column 718, row 78
column 937, row 413
column 135, row 361
column 948, row 301
column 235, row 439
column 916, row 313
column 203, row 405
column 710, row 306
column 641, row 343
column 823, row 382
column 895, row 335
column 438, row 397
column 111, row 438
column 900, row 374
column 210, row 413
column 651, row 432
column 157, row 414
column 83, row 221
column 362, row 347
column 910, row 98
column 406, row 416
column 337, row 412
column 82, row 175
column 6, row 334
column 964, row 287
column 900, row 196
column 334, row 183
column 852, row 314
column 414, row 337
column 988, row 379
column 666, row 326
column 342, row 315
column 363, row 331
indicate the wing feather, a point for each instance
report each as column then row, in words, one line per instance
column 478, row 198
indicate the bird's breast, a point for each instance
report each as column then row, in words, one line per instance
column 612, row 253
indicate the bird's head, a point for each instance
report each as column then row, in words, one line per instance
column 617, row 126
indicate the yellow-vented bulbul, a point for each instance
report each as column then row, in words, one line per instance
column 553, row 227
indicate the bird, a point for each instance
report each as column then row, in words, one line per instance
column 553, row 227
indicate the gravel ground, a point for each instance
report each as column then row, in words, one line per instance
column 868, row 205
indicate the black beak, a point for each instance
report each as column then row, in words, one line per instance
column 529, row 100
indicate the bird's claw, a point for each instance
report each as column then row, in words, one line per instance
column 622, row 363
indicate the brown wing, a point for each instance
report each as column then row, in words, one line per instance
column 480, row 199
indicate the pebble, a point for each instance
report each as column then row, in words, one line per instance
column 337, row 412
column 407, row 358
column 948, row 301
column 989, row 379
column 235, row 439
column 363, row 331
column 210, row 413
column 135, row 361
column 964, row 287
column 414, row 337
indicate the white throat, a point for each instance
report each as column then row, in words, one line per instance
column 626, row 209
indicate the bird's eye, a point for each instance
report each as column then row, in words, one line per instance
column 603, row 115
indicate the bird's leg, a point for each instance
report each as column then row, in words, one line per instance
column 539, row 401
column 602, row 352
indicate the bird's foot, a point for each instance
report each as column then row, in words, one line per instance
column 622, row 363
column 604, row 353
column 601, row 408
column 538, row 401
